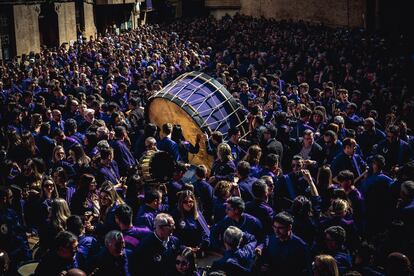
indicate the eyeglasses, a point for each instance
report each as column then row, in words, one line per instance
column 178, row 262
column 279, row 227
column 168, row 225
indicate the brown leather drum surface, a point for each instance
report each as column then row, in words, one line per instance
column 163, row 111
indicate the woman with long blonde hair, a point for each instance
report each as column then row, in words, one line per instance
column 191, row 227
column 254, row 153
column 224, row 167
column 59, row 213
column 325, row 265
column 109, row 200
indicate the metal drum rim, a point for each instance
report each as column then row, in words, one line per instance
column 188, row 108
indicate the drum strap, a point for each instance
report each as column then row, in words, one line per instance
column 203, row 224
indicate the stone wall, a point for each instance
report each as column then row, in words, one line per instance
column 114, row 2
column 66, row 21
column 26, row 26
column 90, row 28
column 219, row 13
column 329, row 12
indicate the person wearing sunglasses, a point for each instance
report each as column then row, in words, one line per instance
column 184, row 263
column 191, row 227
column 155, row 254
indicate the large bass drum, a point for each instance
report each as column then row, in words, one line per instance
column 200, row 104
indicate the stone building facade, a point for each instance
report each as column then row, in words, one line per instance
column 25, row 26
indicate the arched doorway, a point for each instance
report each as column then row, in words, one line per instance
column 48, row 25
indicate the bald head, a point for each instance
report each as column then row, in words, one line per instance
column 75, row 272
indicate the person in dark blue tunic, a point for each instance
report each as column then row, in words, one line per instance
column 331, row 146
column 122, row 155
column 245, row 180
column 291, row 185
column 191, row 227
column 346, row 180
column 60, row 259
column 108, row 202
column 44, row 143
column 370, row 136
column 271, row 167
column 406, row 209
column 168, row 145
column 333, row 244
column 238, row 257
column 204, row 192
column 184, row 146
column 376, row 189
column 108, row 168
column 348, row 160
column 88, row 246
column 112, row 259
column 224, row 167
column 235, row 216
column 132, row 234
column 147, row 212
column 259, row 207
column 237, row 151
column 285, row 253
column 340, row 216
column 155, row 254
column 13, row 238
column 396, row 151
column 223, row 191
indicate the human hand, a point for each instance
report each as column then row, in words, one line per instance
column 306, row 174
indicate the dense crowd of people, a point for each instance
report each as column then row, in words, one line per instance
column 323, row 183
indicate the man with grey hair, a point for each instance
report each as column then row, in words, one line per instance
column 155, row 254
column 239, row 253
column 112, row 259
column 151, row 144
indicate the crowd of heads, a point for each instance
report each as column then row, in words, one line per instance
column 323, row 179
